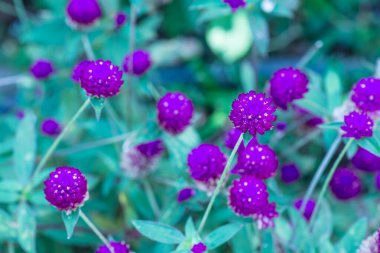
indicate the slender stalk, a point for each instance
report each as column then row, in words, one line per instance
column 327, row 181
column 129, row 101
column 96, row 230
column 219, row 184
column 87, row 47
column 150, row 195
column 21, row 13
column 9, row 80
column 310, row 54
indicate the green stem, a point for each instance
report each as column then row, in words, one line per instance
column 95, row 230
column 150, row 195
column 219, row 184
column 21, row 13
column 327, row 181
column 87, row 47
column 310, row 54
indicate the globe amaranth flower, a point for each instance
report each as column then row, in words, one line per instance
column 174, row 112
column 357, row 125
column 185, row 194
column 371, row 244
column 290, row 173
column 139, row 160
column 248, row 196
column 101, row 79
column 206, row 164
column 281, row 126
column 235, row 4
column 309, row 208
column 120, row 19
column 118, row 247
column 139, row 60
column 232, row 137
column 287, row 85
column 366, row 161
column 256, row 160
column 78, row 70
column 199, row 248
column 66, row 188
column 366, row 94
column 41, row 69
column 51, row 127
column 83, row 12
column 252, row 112
column 345, row 184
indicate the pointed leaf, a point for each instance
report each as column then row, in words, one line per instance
column 98, row 105
column 26, row 233
column 222, row 235
column 370, row 144
column 159, row 232
column 190, row 228
column 7, row 226
column 354, row 236
column 70, row 220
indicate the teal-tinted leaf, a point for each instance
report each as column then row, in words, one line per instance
column 222, row 235
column 202, row 4
column 322, row 228
column 159, row 232
column 268, row 242
column 325, row 246
column 352, row 239
column 10, row 185
column 332, row 125
column 70, row 220
column 247, row 76
column 7, row 226
column 370, row 144
column 260, row 32
column 9, row 196
column 98, row 105
column 302, row 237
column 283, row 229
column 25, row 148
column 333, row 89
column 26, row 232
column 190, row 230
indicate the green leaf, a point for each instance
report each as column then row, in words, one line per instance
column 7, row 226
column 370, row 144
column 190, row 230
column 332, row 125
column 203, row 4
column 26, row 232
column 70, row 220
column 354, row 236
column 9, row 196
column 10, row 185
column 25, row 148
column 159, row 232
column 260, row 32
column 323, row 225
column 268, row 242
column 222, row 235
column 98, row 105
column 333, row 88
column 247, row 76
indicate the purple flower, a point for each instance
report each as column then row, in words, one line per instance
column 287, row 85
column 309, row 208
column 198, row 248
column 118, row 247
column 175, row 111
column 20, row 114
column 41, row 69
column 366, row 94
column 101, row 79
column 78, row 70
column 281, row 126
column 377, row 181
column 235, row 4
column 66, row 188
column 151, row 149
column 345, row 184
column 357, row 125
column 253, row 112
column 51, row 127
column 141, row 62
column 290, row 173
column 185, row 194
column 231, row 139
column 120, row 19
column 256, row 160
column 206, row 163
column 83, row 12
column 366, row 161
column 314, row 121
column 248, row 196
column 371, row 244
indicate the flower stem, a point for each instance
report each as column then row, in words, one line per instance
column 219, row 184
column 310, row 54
column 87, row 47
column 21, row 13
column 150, row 195
column 327, row 181
column 96, row 230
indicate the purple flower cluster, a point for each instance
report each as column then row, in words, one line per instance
column 357, row 125
column 120, row 19
column 51, row 127
column 287, row 85
column 175, row 112
column 235, row 4
column 41, row 69
column 371, row 244
column 199, row 248
column 66, row 188
column 78, row 70
column 83, row 12
column 366, row 94
column 345, row 184
column 366, row 161
column 290, row 173
column 185, row 194
column 118, row 247
column 139, row 60
column 309, row 208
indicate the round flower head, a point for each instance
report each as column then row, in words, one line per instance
column 185, row 194
column 231, row 139
column 366, row 94
column 51, row 127
column 314, row 121
column 290, row 173
column 66, row 188
column 287, row 85
column 206, row 163
column 83, row 12
column 371, row 244
column 256, row 160
column 138, row 161
column 101, row 79
column 41, row 69
column 253, row 112
column 78, row 70
column 377, row 181
column 175, row 111
column 141, row 62
column 281, row 126
column 309, row 208
column 235, row 4
column 199, row 248
column 345, row 184
column 357, row 125
column 366, row 161
column 118, row 247
column 120, row 19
